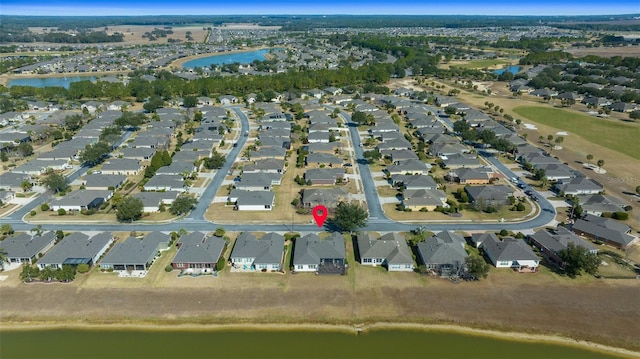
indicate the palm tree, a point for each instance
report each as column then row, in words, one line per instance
column 559, row 140
column 247, row 153
column 600, row 164
column 3, row 257
column 540, row 138
column 589, row 158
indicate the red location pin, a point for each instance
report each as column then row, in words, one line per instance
column 320, row 214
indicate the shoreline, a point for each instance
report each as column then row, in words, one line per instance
column 181, row 61
column 354, row 328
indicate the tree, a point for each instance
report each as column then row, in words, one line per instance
column 477, row 266
column 3, row 257
column 4, row 157
column 95, row 153
column 73, row 122
column 83, row 268
column 219, row 232
column 26, row 185
column 589, row 158
column 372, row 156
column 6, row 229
column 56, row 182
column 635, row 115
column 183, row 204
column 577, row 259
column 559, row 140
column 130, row 119
column 190, row 101
column 25, row 149
column 153, row 104
column 600, row 164
column 214, row 162
column 37, row 230
column 130, row 209
column 348, row 217
column 549, row 139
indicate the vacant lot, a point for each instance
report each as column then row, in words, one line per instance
column 534, row 303
column 616, row 135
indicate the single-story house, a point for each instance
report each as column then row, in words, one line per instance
column 251, row 254
column 409, row 167
column 103, row 182
column 136, row 254
column 82, row 199
column 328, row 197
column 165, row 183
column 268, row 165
column 550, row 242
column 443, row 253
column 489, row 195
column 606, row 230
column 252, row 200
column 597, row 204
column 390, row 251
column 414, row 182
column 198, row 253
column 13, row 181
column 324, row 176
column 318, row 159
column 24, row 248
column 122, row 166
column 77, row 248
column 151, row 201
column 471, row 176
column 578, row 186
column 424, row 198
column 510, row 253
column 322, row 256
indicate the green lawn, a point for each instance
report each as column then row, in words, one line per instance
column 616, row 135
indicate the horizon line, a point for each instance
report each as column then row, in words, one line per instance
column 320, row 14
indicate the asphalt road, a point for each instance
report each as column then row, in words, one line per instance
column 196, row 222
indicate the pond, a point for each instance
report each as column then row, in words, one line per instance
column 239, row 57
column 49, row 81
column 382, row 343
column 513, row 69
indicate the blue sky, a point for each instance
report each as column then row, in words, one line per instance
column 322, row 7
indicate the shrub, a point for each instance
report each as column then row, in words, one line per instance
column 168, row 268
column 83, row 268
column 44, row 207
column 32, row 213
column 295, row 202
column 607, row 214
column 110, row 270
column 424, row 209
column 504, row 232
column 220, row 264
column 520, row 207
column 61, row 212
column 620, row 216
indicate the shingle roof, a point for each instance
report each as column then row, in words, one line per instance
column 435, row 250
column 310, row 248
column 195, row 247
column 392, row 247
column 136, row 251
column 267, row 250
column 76, row 245
column 26, row 246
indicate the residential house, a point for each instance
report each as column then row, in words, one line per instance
column 414, row 182
column 13, row 181
column 80, row 200
column 140, row 154
column 227, row 100
column 578, row 186
column 165, row 183
column 251, row 254
column 510, row 253
column 24, row 248
column 252, row 200
column 122, row 166
column 322, row 256
column 410, row 167
column 597, row 204
column 472, row 176
column 268, row 165
column 328, row 197
column 322, row 159
column 134, row 253
column 458, row 160
column 605, row 230
column 258, row 181
column 76, row 248
column 198, row 253
column 390, row 251
column 324, row 176
column 489, row 195
column 103, row 182
column 443, row 253
column 428, row 199
column 151, row 201
column 551, row 241
column 39, row 167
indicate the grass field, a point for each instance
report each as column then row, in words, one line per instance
column 480, row 64
column 615, row 135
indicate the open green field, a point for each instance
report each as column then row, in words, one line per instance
column 480, row 64
column 615, row 135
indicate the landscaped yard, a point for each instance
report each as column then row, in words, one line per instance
column 467, row 215
column 613, row 134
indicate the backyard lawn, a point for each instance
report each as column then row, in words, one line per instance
column 613, row 134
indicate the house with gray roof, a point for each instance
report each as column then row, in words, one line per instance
column 399, row 156
column 597, row 204
column 24, row 248
column 551, row 241
column 605, row 230
column 252, row 200
column 390, row 251
column 198, row 253
column 459, row 160
column 410, row 167
column 322, row 256
column 252, row 254
column 134, row 253
column 328, row 197
column 151, row 201
column 258, row 181
column 103, row 182
column 77, row 248
column 122, row 166
column 326, row 159
column 510, row 253
column 269, row 165
column 177, row 168
column 82, row 199
column 414, row 182
column 13, row 181
column 558, row 171
column 165, row 183
column 324, row 176
column 39, row 167
column 489, row 195
column 428, row 199
column 578, row 186
column 140, row 154
column 479, row 175
column 269, row 152
column 443, row 253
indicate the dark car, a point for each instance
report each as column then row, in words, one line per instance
column 522, row 185
column 348, row 164
column 528, row 192
column 534, row 198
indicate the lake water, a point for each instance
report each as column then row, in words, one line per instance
column 239, row 57
column 49, row 81
column 396, row 343
column 513, row 69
